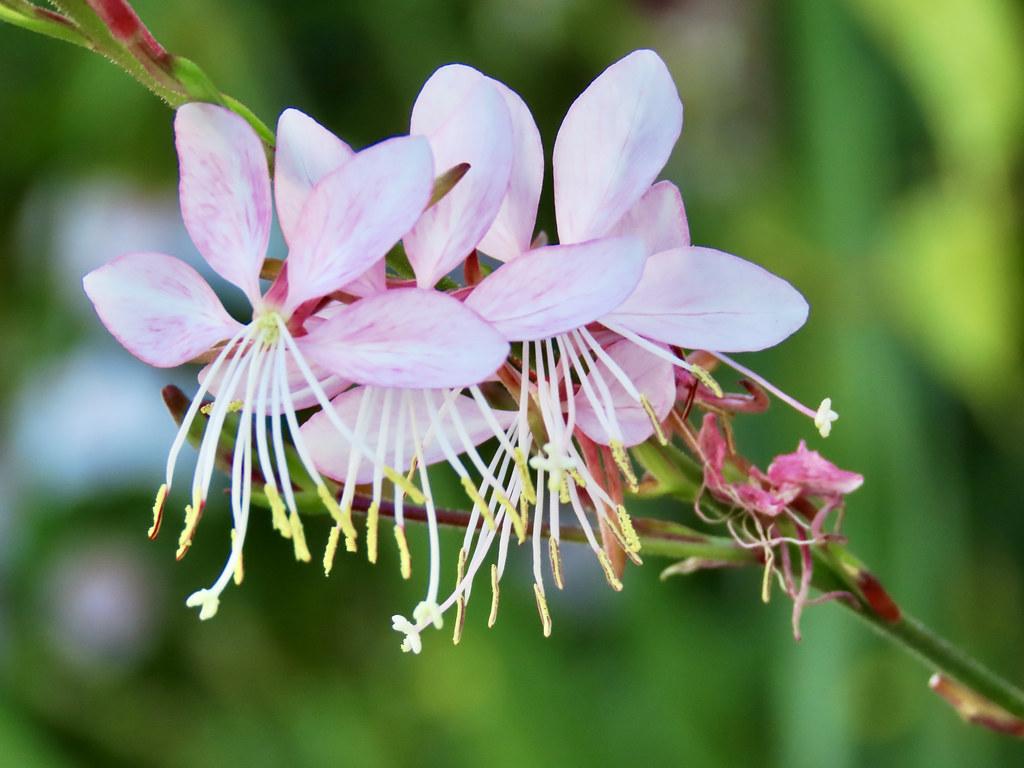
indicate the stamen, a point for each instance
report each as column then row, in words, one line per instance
column 495, row 596
column 542, row 609
column 556, row 562
column 405, row 559
column 239, row 572
column 193, row 512
column 237, row 340
column 406, row 486
column 460, row 604
column 624, row 465
column 233, row 406
column 609, row 572
column 700, row 373
column 766, row 580
column 342, row 517
column 372, row 523
column 158, row 512
column 528, row 491
column 477, row 499
column 278, row 514
column 649, row 410
column 628, row 531
column 299, row 539
column 331, row 550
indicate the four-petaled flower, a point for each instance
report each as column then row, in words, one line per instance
column 340, row 212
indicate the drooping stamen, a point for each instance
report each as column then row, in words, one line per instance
column 700, row 373
column 372, row 514
column 158, row 512
column 239, row 339
column 206, row 460
column 367, row 399
column 208, row 600
column 556, row 562
column 356, row 445
column 432, row 532
column 495, row 597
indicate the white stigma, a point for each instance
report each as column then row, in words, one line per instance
column 824, row 417
column 428, row 612
column 412, row 642
column 556, row 463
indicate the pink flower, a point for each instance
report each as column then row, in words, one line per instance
column 766, row 503
column 465, row 120
column 340, row 212
column 812, row 474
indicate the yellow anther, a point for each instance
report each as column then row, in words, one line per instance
column 193, row 512
column 766, row 580
column 706, row 379
column 655, row 422
column 517, row 522
column 460, row 619
column 628, row 531
column 278, row 514
column 542, row 609
column 460, row 568
column 406, row 485
column 342, row 517
column 299, row 539
column 824, row 417
column 524, row 516
column 474, row 494
column 233, row 407
column 239, row 572
column 405, row 559
column 577, row 478
column 529, row 492
column 609, row 572
column 624, row 465
column 495, row 595
column 158, row 511
column 332, row 549
column 372, row 524
column 556, row 562
column 563, row 490
column 460, row 604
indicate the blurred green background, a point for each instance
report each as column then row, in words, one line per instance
column 870, row 151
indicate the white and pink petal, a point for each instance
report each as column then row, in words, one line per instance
column 306, row 152
column 700, row 298
column 512, row 231
column 407, row 337
column 613, row 143
column 158, row 307
column 224, row 192
column 557, row 288
column 465, row 122
column 356, row 214
column 658, row 218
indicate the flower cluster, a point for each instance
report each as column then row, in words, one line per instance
column 360, row 376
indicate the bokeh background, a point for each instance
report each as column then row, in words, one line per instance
column 870, row 151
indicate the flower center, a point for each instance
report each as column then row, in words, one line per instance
column 268, row 328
